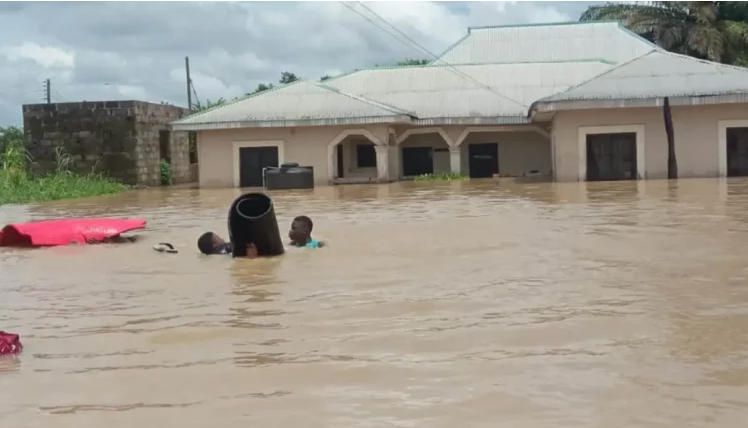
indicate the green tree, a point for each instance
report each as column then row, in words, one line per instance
column 8, row 135
column 412, row 61
column 713, row 30
column 287, row 77
column 325, row 77
column 262, row 87
column 211, row 104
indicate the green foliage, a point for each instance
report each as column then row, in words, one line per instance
column 211, row 104
column 11, row 133
column 262, row 87
column 287, row 77
column 712, row 30
column 166, row 179
column 412, row 61
column 440, row 177
column 17, row 186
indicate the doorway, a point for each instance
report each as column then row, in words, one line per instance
column 418, row 161
column 252, row 160
column 611, row 157
column 483, row 160
column 737, row 152
column 341, row 167
column 164, row 146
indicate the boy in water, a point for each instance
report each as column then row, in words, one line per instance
column 210, row 243
column 301, row 233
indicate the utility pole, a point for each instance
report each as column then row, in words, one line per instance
column 48, row 92
column 189, row 82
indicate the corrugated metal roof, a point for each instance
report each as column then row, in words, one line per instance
column 300, row 103
column 495, row 90
column 547, row 42
column 657, row 74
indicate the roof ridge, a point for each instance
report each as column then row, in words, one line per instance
column 452, row 46
column 470, row 64
column 608, row 71
column 240, row 99
column 705, row 61
column 377, row 104
column 543, row 24
column 636, row 36
column 489, row 27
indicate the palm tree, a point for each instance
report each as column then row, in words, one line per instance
column 713, row 30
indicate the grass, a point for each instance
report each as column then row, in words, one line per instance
column 18, row 186
column 441, row 177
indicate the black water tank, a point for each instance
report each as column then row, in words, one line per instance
column 289, row 176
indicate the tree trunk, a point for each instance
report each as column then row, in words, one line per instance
column 672, row 162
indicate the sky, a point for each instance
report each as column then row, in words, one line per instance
column 135, row 50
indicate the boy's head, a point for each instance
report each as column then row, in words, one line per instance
column 301, row 230
column 209, row 242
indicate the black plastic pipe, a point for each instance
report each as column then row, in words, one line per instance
column 252, row 219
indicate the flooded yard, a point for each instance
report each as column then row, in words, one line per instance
column 449, row 305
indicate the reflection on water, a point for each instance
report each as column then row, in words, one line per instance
column 435, row 305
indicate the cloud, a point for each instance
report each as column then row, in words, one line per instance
column 118, row 50
column 46, row 56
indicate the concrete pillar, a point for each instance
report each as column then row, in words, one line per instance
column 383, row 162
column 455, row 160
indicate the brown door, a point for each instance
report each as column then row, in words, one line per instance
column 611, row 157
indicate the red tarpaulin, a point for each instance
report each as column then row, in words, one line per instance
column 49, row 233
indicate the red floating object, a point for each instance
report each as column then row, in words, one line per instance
column 50, row 233
column 10, row 343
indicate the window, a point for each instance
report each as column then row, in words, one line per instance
column 366, row 156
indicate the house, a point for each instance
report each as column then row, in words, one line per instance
column 570, row 102
column 127, row 140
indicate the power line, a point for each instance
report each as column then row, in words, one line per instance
column 19, row 92
column 27, row 87
column 194, row 92
column 424, row 50
column 58, row 96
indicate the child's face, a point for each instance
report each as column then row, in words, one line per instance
column 217, row 242
column 299, row 232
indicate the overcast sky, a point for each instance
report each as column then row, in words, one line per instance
column 136, row 50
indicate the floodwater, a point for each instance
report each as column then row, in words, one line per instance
column 465, row 304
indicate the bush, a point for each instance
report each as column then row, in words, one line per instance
column 17, row 186
column 165, row 173
column 8, row 135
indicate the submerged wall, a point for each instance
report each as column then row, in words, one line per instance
column 118, row 138
column 697, row 137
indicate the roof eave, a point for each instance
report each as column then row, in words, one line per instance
column 214, row 126
column 654, row 101
column 475, row 120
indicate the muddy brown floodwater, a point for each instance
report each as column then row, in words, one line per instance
column 435, row 305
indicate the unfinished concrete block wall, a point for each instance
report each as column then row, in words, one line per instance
column 99, row 136
column 119, row 138
column 152, row 127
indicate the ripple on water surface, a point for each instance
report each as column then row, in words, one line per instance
column 434, row 305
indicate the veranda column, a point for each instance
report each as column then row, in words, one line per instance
column 383, row 162
column 455, row 160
